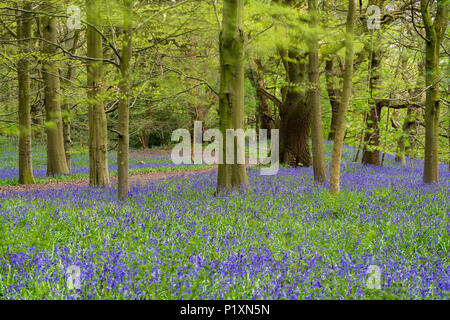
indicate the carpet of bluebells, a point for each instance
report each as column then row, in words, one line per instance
column 285, row 238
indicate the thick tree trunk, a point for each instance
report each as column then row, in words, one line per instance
column 434, row 32
column 334, row 95
column 346, row 93
column 294, row 114
column 231, row 95
column 124, row 137
column 371, row 152
column 24, row 21
column 409, row 127
column 400, row 156
column 144, row 139
column 98, row 139
column 320, row 170
column 56, row 159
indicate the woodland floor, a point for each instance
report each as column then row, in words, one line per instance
column 138, row 178
column 285, row 238
column 135, row 178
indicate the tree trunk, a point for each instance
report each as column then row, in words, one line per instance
column 38, row 105
column 434, row 32
column 346, row 93
column 56, row 160
column 231, row 95
column 410, row 122
column 409, row 127
column 123, row 109
column 294, row 114
column 401, row 146
column 71, row 45
column 334, row 95
column 264, row 113
column 24, row 21
column 98, row 139
column 371, row 152
column 320, row 171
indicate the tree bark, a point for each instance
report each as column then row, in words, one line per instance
column 371, row 152
column 38, row 106
column 123, row 109
column 401, row 147
column 98, row 139
column 410, row 122
column 409, row 128
column 71, row 45
column 56, row 160
column 24, row 21
column 231, row 94
column 334, row 95
column 264, row 113
column 320, row 171
column 294, row 113
column 434, row 32
column 346, row 94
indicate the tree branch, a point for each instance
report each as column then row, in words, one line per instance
column 270, row 96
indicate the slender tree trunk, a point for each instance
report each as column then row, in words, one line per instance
column 124, row 140
column 434, row 32
column 24, row 21
column 448, row 115
column 231, row 95
column 361, row 139
column 38, row 105
column 409, row 127
column 56, row 160
column 401, row 147
column 98, row 139
column 264, row 110
column 334, row 95
column 387, row 131
column 195, row 109
column 320, row 170
column 67, row 136
column 71, row 45
column 346, row 94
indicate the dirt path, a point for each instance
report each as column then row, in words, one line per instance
column 137, row 178
column 156, row 152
